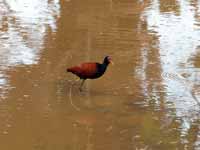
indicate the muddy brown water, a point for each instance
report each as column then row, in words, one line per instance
column 149, row 100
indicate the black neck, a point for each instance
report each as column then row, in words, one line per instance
column 105, row 65
column 105, row 62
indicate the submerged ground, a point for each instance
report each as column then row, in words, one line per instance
column 150, row 98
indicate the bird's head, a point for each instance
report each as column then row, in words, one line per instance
column 108, row 60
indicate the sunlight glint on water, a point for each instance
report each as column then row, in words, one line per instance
column 23, row 26
column 178, row 43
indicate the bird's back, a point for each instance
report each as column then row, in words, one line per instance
column 85, row 70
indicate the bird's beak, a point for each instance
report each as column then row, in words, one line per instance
column 112, row 63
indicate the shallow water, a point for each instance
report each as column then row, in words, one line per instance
column 150, row 98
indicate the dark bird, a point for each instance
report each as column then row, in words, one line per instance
column 90, row 70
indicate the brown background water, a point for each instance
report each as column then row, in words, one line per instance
column 148, row 100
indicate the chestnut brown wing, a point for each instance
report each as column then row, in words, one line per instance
column 85, row 70
column 88, row 70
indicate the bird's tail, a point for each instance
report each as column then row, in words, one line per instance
column 68, row 70
column 73, row 69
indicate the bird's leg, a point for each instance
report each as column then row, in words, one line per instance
column 77, row 80
column 81, row 84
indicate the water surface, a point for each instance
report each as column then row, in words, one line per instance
column 150, row 98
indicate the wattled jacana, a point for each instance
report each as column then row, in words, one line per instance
column 90, row 70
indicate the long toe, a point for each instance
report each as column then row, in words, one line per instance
column 80, row 88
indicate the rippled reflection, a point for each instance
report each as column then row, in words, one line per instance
column 177, row 26
column 23, row 24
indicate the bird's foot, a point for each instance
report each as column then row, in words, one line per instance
column 80, row 89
